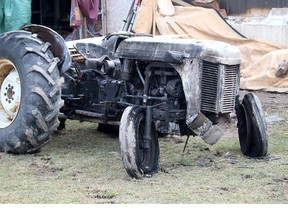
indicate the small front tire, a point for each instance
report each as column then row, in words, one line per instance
column 137, row 160
column 252, row 128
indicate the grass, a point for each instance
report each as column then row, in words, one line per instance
column 82, row 165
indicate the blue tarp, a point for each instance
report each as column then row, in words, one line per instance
column 14, row 14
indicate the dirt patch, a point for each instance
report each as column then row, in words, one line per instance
column 275, row 107
column 272, row 103
column 43, row 166
column 100, row 195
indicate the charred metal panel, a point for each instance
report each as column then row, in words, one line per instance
column 233, row 6
column 158, row 49
column 176, row 50
column 267, row 3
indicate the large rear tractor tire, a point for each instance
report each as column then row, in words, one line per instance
column 30, row 92
column 138, row 160
column 252, row 129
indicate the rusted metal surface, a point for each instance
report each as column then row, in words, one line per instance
column 76, row 56
column 58, row 46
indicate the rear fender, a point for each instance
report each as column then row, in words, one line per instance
column 58, row 45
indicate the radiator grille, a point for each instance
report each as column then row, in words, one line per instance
column 219, row 86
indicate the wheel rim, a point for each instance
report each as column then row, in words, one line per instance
column 10, row 92
column 143, row 154
column 146, row 156
column 247, row 139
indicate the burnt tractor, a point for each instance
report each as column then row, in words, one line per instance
column 142, row 84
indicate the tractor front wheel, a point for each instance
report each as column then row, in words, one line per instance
column 252, row 127
column 139, row 159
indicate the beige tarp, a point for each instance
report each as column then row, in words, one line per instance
column 260, row 59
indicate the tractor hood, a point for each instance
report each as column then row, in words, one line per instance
column 175, row 50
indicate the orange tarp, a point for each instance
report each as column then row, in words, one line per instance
column 260, row 59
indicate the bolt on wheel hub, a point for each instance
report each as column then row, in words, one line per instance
column 10, row 92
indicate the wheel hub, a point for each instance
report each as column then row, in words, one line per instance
column 10, row 95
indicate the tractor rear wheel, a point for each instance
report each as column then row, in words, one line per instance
column 30, row 92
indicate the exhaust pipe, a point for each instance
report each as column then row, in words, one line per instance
column 204, row 128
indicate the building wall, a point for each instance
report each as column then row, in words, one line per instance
column 116, row 12
column 258, row 19
column 267, row 24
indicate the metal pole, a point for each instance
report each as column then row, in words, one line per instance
column 103, row 16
